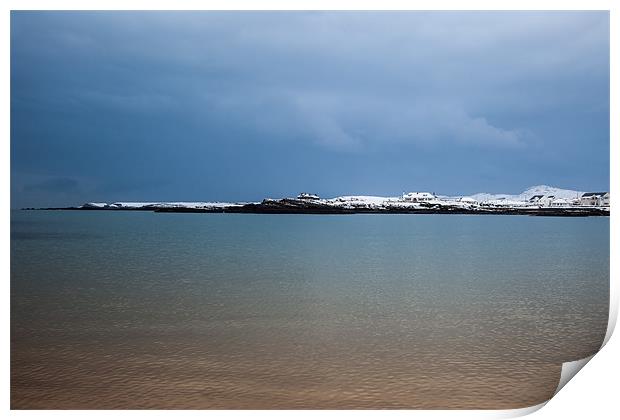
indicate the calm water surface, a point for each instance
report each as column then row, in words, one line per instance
column 146, row 310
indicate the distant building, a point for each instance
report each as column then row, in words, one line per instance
column 307, row 196
column 468, row 200
column 594, row 199
column 542, row 200
column 546, row 201
column 605, row 200
column 560, row 202
column 417, row 197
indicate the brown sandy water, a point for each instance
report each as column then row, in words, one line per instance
column 139, row 310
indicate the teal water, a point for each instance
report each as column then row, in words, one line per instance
column 147, row 310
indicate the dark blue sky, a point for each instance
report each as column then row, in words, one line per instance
column 206, row 106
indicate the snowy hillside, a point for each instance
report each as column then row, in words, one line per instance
column 411, row 201
column 530, row 192
column 181, row 204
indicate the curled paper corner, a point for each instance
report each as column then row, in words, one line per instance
column 569, row 370
column 518, row 412
column 613, row 317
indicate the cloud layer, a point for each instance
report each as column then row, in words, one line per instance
column 215, row 105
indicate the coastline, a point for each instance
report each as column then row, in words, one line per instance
column 292, row 206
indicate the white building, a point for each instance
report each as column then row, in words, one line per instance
column 560, row 202
column 547, row 200
column 418, row 197
column 605, row 200
column 536, row 198
column 594, row 199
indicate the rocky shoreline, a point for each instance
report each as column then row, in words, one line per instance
column 297, row 206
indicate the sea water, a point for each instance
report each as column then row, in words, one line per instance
column 130, row 309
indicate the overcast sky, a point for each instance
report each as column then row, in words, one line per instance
column 208, row 106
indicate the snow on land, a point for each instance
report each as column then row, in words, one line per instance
column 527, row 194
column 131, row 204
column 371, row 201
column 503, row 200
column 95, row 205
column 360, row 200
column 141, row 204
column 199, row 205
column 508, row 203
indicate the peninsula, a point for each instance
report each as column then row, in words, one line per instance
column 540, row 200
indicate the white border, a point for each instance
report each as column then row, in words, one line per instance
column 596, row 384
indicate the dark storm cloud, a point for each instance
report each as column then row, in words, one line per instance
column 60, row 185
column 231, row 106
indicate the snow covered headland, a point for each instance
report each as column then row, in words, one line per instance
column 538, row 200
